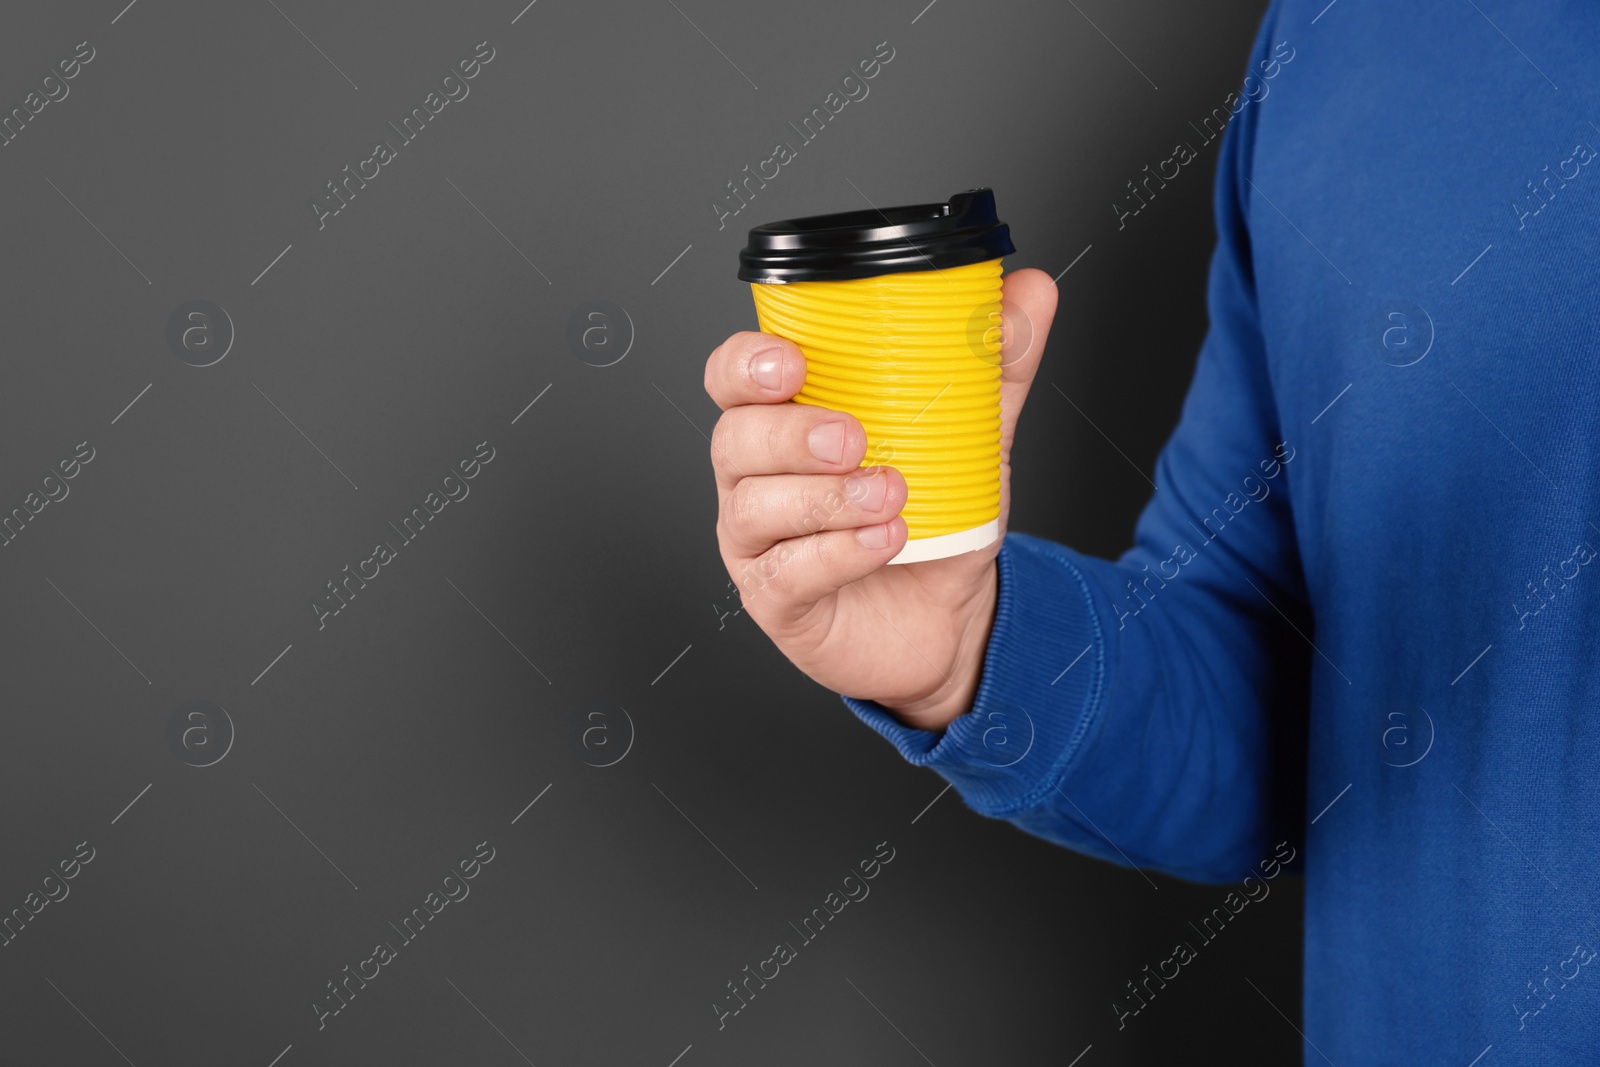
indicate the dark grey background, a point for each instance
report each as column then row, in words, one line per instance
column 380, row 750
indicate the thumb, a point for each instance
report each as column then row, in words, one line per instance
column 1027, row 310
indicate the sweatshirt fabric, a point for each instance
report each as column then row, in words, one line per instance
column 1361, row 615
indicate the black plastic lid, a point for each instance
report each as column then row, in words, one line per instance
column 862, row 244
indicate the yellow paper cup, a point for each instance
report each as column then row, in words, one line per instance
column 898, row 315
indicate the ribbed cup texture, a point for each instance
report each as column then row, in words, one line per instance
column 916, row 357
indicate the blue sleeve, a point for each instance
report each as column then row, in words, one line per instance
column 1134, row 710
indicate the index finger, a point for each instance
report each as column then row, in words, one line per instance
column 754, row 368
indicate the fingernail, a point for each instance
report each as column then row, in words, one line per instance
column 827, row 441
column 767, row 369
column 874, row 537
column 867, row 491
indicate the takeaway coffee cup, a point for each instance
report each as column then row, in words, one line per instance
column 898, row 312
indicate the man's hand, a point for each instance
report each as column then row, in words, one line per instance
column 806, row 532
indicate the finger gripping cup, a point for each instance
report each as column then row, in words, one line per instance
column 898, row 313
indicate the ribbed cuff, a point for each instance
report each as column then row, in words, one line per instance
column 1043, row 677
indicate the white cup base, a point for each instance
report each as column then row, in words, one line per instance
column 952, row 544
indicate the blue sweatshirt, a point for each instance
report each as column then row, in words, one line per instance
column 1360, row 622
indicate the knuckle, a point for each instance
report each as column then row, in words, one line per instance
column 825, row 553
column 709, row 380
column 771, row 568
column 743, row 507
column 775, row 436
column 719, row 443
column 727, row 537
column 820, row 509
